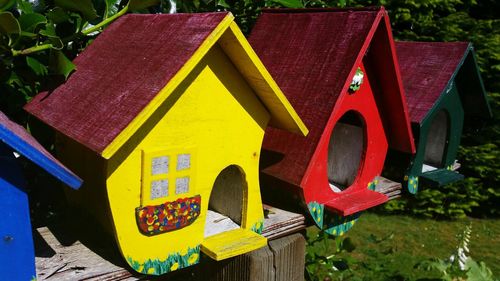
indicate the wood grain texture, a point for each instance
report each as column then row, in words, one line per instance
column 279, row 223
column 67, row 253
column 289, row 257
column 437, row 139
column 253, row 266
column 227, row 193
column 426, row 69
column 282, row 260
column 389, row 188
column 75, row 261
column 345, row 151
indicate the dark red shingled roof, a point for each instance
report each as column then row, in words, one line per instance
column 308, row 53
column 120, row 73
column 426, row 68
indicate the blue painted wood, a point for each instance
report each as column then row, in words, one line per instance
column 17, row 255
column 36, row 156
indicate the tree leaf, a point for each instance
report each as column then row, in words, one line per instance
column 141, row 4
column 6, row 4
column 24, row 6
column 9, row 26
column 56, row 42
column 36, row 66
column 223, row 3
column 289, row 3
column 60, row 64
column 29, row 22
column 85, row 7
column 49, row 30
column 57, row 15
column 111, row 8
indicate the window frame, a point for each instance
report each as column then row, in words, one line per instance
column 171, row 176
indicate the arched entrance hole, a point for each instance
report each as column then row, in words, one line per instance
column 346, row 150
column 435, row 144
column 225, row 206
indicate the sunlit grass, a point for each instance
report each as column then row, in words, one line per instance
column 392, row 246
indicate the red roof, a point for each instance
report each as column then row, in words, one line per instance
column 314, row 53
column 120, row 73
column 426, row 69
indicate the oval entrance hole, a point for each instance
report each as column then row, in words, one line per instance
column 437, row 139
column 346, row 151
column 225, row 206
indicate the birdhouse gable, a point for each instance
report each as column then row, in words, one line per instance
column 135, row 64
column 317, row 53
column 443, row 89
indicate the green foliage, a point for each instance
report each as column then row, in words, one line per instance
column 38, row 40
column 449, row 201
column 407, row 248
column 322, row 260
column 460, row 266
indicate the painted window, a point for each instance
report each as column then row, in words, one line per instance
column 166, row 175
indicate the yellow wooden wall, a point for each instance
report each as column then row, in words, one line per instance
column 218, row 118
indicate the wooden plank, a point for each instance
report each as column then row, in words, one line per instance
column 289, row 257
column 60, row 260
column 232, row 243
column 282, row 260
column 68, row 253
column 278, row 222
column 353, row 202
column 256, row 265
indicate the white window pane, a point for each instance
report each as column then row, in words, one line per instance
column 159, row 188
column 183, row 161
column 159, row 165
column 182, row 185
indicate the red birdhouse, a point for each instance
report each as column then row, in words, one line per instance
column 339, row 70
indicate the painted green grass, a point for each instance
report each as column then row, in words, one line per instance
column 389, row 247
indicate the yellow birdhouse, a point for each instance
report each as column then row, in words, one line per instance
column 164, row 120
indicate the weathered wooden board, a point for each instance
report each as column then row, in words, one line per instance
column 64, row 253
column 282, row 260
column 389, row 188
column 60, row 260
column 279, row 223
